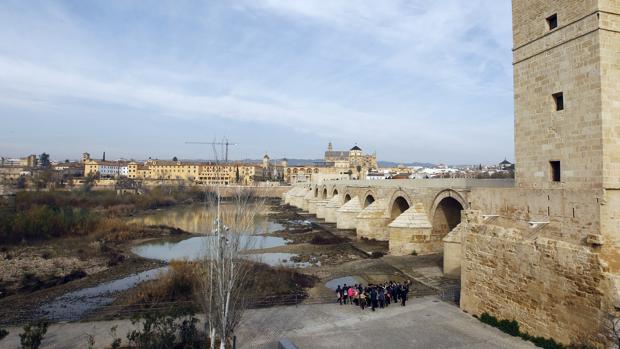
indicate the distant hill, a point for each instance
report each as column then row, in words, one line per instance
column 300, row 162
column 291, row 162
column 394, row 164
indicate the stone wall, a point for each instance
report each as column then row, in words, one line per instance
column 553, row 289
column 566, row 60
column 573, row 215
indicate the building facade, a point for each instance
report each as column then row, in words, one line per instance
column 106, row 168
column 196, row 172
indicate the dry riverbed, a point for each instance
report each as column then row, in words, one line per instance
column 36, row 274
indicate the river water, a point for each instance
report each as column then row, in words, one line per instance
column 195, row 219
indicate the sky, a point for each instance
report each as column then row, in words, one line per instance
column 418, row 80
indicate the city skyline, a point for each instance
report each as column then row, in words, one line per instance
column 285, row 79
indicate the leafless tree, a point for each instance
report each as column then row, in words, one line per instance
column 224, row 271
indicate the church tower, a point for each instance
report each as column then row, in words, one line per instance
column 567, row 93
column 266, row 160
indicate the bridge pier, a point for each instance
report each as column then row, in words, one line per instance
column 372, row 221
column 412, row 231
column 298, row 198
column 305, row 202
column 331, row 209
column 453, row 243
column 320, row 208
column 312, row 205
column 287, row 196
column 346, row 216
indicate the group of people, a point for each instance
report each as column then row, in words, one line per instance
column 374, row 296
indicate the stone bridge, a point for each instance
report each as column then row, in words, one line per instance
column 412, row 215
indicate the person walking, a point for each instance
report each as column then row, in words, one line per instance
column 345, row 293
column 381, row 297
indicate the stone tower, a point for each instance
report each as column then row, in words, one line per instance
column 266, row 161
column 567, row 93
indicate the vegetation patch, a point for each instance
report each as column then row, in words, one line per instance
column 174, row 293
column 511, row 327
column 3, row 333
column 33, row 335
column 159, row 331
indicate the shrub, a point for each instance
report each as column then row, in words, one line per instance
column 3, row 333
column 188, row 334
column 33, row 335
column 116, row 342
column 158, row 332
column 42, row 222
column 377, row 254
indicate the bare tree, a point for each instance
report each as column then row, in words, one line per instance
column 224, row 270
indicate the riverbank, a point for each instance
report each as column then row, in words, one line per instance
column 304, row 253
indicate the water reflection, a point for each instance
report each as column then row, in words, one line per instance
column 349, row 280
column 195, row 248
column 198, row 219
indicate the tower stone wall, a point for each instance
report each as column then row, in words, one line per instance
column 564, row 60
column 549, row 255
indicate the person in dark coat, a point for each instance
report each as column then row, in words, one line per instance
column 381, row 297
column 373, row 298
column 404, row 293
column 345, row 293
column 339, row 294
column 395, row 292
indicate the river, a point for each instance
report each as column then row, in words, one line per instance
column 194, row 219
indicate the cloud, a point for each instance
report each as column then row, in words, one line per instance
column 462, row 45
column 411, row 78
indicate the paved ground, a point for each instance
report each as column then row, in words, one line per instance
column 424, row 323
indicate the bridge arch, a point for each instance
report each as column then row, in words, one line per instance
column 335, row 192
column 399, row 203
column 369, row 197
column 446, row 211
column 347, row 198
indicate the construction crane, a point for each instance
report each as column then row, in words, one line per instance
column 224, row 143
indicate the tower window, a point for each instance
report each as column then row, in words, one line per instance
column 555, row 171
column 552, row 21
column 558, row 98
